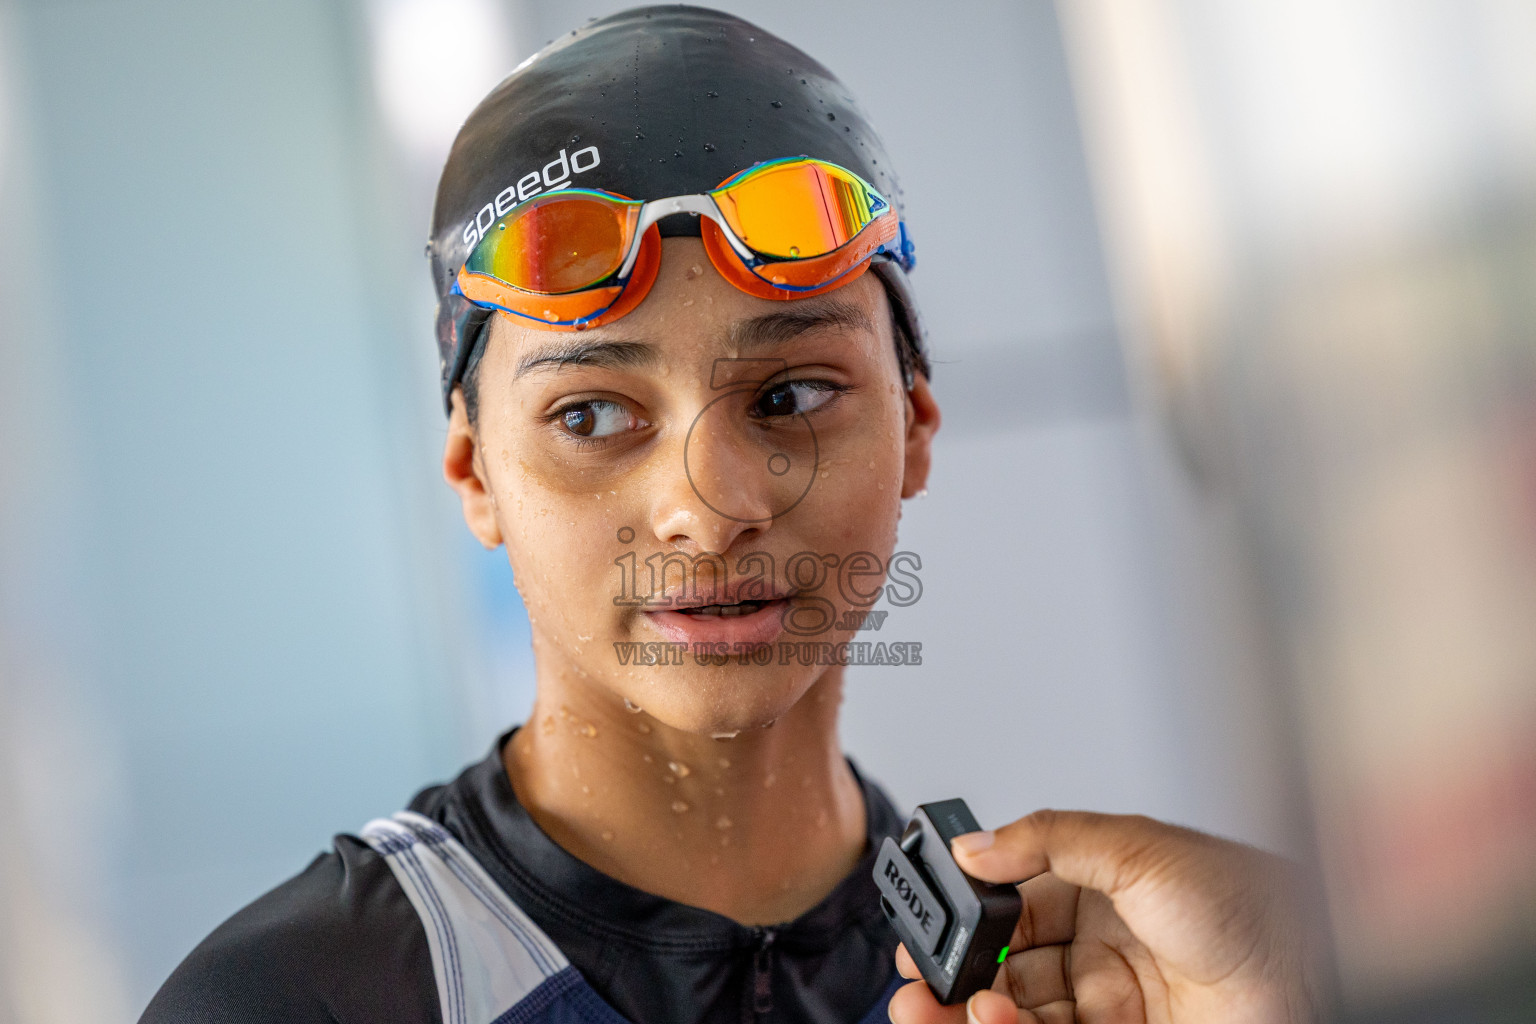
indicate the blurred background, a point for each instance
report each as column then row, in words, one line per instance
column 1233, row 517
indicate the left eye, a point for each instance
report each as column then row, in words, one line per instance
column 794, row 397
column 597, row 419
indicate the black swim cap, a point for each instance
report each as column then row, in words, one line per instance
column 649, row 103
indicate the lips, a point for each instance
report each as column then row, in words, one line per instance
column 743, row 622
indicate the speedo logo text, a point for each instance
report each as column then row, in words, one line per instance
column 555, row 175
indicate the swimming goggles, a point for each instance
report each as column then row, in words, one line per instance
column 784, row 229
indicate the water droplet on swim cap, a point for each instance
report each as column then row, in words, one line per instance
column 776, row 105
column 709, row 147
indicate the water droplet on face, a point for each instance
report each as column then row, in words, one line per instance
column 725, row 735
column 646, row 758
column 679, row 806
column 607, row 837
column 769, row 780
column 644, row 728
column 679, row 769
column 723, row 822
column 631, row 706
column 821, row 820
column 725, row 840
column 548, row 725
column 725, row 762
column 694, row 271
column 586, row 790
column 589, row 731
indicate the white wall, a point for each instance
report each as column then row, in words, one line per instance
column 225, row 627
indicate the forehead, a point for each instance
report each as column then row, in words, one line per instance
column 692, row 311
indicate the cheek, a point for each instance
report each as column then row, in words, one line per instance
column 561, row 542
column 857, row 491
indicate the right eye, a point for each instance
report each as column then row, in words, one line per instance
column 597, row 418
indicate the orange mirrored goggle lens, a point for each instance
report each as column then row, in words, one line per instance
column 562, row 242
column 797, row 208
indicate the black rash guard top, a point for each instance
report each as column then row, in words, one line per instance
column 341, row 944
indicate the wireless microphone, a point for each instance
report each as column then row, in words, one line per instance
column 956, row 928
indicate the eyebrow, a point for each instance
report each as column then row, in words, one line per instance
column 612, row 354
column 752, row 333
column 809, row 315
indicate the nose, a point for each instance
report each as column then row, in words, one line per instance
column 718, row 486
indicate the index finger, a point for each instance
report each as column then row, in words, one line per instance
column 1049, row 914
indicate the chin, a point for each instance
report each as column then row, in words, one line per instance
column 746, row 702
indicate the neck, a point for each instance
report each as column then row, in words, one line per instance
column 759, row 828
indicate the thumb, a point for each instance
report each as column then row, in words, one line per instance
column 1107, row 852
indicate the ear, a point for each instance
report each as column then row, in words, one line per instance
column 922, row 423
column 465, row 473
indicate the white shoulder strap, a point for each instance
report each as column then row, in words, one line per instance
column 487, row 955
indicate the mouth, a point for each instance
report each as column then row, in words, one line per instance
column 745, row 623
column 724, row 610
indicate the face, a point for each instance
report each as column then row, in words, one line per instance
column 687, row 490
